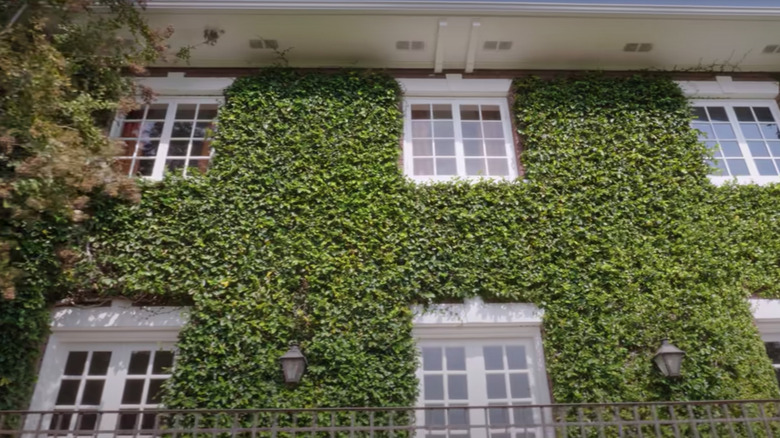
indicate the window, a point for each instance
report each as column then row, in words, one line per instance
column 773, row 350
column 744, row 137
column 446, row 138
column 167, row 135
column 109, row 377
column 492, row 373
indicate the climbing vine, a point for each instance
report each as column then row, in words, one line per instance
column 305, row 230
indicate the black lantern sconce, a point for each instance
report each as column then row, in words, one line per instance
column 293, row 364
column 669, row 359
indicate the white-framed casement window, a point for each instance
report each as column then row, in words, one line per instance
column 102, row 376
column 744, row 137
column 445, row 138
column 115, row 358
column 481, row 371
column 171, row 134
column 766, row 314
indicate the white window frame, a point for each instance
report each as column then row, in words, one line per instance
column 766, row 314
column 165, row 137
column 729, row 105
column 120, row 328
column 485, row 324
column 459, row 154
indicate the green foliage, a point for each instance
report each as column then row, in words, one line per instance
column 305, row 230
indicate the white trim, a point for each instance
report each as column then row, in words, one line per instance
column 724, row 87
column 453, row 85
column 175, row 84
column 766, row 314
column 460, row 157
column 754, row 177
column 482, row 7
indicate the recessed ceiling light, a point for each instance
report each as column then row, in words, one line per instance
column 504, row 45
column 490, row 45
column 497, row 45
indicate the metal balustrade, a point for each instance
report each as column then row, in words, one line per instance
column 701, row 419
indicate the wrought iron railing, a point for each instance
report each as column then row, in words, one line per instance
column 704, row 419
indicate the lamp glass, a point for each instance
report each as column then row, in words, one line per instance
column 669, row 359
column 293, row 365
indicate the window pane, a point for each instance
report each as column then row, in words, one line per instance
column 157, row 111
column 178, row 148
column 750, row 130
column 469, row 112
column 431, row 358
column 493, row 129
column 763, row 114
column 457, row 389
column 134, row 389
column 766, row 167
column 758, row 149
column 773, row 350
column 98, row 366
column 770, row 131
column 144, row 167
column 127, row 421
column 515, row 357
column 154, row 395
column 706, row 130
column 718, row 114
column 498, row 416
column 68, row 391
column 421, row 129
column 93, row 392
column 496, row 386
column 60, row 421
column 737, row 167
column 423, row 166
column 442, row 111
column 520, row 386
column 495, row 148
column 523, row 416
column 139, row 362
column 421, row 112
column 471, row 130
column 476, row 166
column 163, row 361
column 443, row 129
column 774, row 148
column 433, row 387
column 699, row 113
column 174, row 165
column 491, row 112
column 87, row 422
column 202, row 129
column 458, row 417
column 724, row 131
column 435, row 417
column 720, row 168
column 456, row 358
column 446, row 166
column 730, row 149
column 472, row 148
column 200, row 149
column 493, row 358
column 498, row 167
column 186, row 111
column 207, row 111
column 148, row 149
column 744, row 114
column 181, row 129
column 445, row 147
column 422, row 147
column 75, row 363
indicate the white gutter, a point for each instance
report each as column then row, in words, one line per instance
column 481, row 7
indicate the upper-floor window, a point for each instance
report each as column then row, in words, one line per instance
column 744, row 138
column 168, row 135
column 448, row 138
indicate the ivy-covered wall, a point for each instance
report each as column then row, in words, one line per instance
column 305, row 230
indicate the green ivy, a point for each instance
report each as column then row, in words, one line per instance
column 305, row 230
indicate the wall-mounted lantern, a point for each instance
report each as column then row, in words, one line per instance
column 293, row 364
column 669, row 359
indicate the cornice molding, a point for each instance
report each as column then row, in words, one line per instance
column 481, row 7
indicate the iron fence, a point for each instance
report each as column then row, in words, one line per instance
column 704, row 419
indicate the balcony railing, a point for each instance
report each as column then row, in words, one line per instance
column 705, row 419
